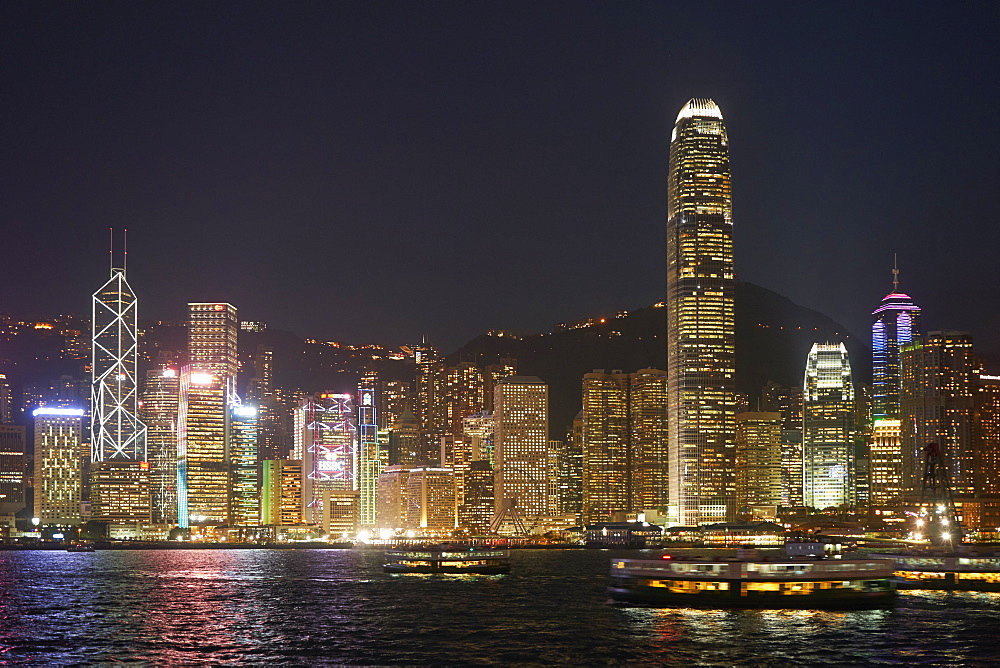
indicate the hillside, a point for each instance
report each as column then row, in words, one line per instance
column 773, row 337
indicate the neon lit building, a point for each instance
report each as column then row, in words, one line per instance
column 244, row 484
column 116, row 431
column 202, row 461
column 370, row 457
column 896, row 324
column 158, row 411
column 521, row 439
column 827, row 427
column 328, row 432
column 701, row 330
column 59, row 455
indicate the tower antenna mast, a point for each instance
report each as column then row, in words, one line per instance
column 895, row 274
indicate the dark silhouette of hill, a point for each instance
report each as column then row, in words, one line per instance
column 773, row 337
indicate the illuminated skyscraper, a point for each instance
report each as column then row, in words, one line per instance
column 13, row 465
column 606, row 443
column 404, row 439
column 987, row 436
column 788, row 402
column 244, row 484
column 58, row 462
column 212, row 332
column 648, row 438
column 117, row 433
column 477, row 431
column 701, row 335
column 758, row 460
column 462, row 395
column 118, row 438
column 202, row 461
column 328, row 427
column 940, row 377
column 895, row 325
column 281, row 492
column 6, row 401
column 827, row 427
column 370, row 457
column 158, row 410
column 477, row 504
column 521, row 412
column 624, row 443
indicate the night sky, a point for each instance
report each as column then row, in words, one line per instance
column 374, row 172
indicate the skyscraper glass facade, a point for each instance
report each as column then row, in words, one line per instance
column 827, row 427
column 701, row 337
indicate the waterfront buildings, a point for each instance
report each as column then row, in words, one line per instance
column 759, row 470
column 624, row 443
column 244, row 483
column 417, row 498
column 521, row 426
column 827, row 427
column 13, row 463
column 371, row 458
column 158, row 411
column 939, row 379
column 281, row 492
column 202, row 461
column 477, row 503
column 700, row 304
column 606, row 480
column 648, row 469
column 59, row 459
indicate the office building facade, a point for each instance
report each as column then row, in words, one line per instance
column 700, row 304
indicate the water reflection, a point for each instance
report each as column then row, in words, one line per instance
column 302, row 607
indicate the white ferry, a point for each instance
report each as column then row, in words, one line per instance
column 753, row 583
column 946, row 571
column 448, row 559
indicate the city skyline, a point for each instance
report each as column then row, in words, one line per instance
column 251, row 201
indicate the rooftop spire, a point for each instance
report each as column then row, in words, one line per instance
column 895, row 274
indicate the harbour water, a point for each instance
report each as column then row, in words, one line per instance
column 338, row 607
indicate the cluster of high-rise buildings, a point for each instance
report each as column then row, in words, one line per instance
column 468, row 447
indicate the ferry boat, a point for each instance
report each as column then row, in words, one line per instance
column 753, row 582
column 477, row 560
column 946, row 571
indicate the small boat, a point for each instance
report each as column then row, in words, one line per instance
column 753, row 583
column 948, row 571
column 80, row 547
column 467, row 559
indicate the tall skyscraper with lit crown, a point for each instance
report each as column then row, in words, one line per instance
column 827, row 427
column 896, row 323
column 700, row 305
column 118, row 438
